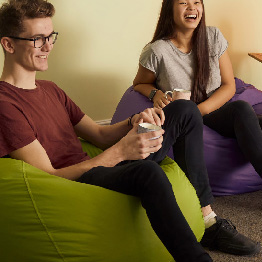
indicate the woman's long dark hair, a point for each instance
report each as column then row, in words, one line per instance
column 166, row 29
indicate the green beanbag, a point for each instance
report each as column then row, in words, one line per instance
column 44, row 218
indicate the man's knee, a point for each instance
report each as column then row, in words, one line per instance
column 147, row 167
column 150, row 173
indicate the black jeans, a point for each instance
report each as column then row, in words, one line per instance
column 146, row 180
column 238, row 120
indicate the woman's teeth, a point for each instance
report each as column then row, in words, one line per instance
column 190, row 16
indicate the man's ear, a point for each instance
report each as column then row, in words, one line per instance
column 7, row 44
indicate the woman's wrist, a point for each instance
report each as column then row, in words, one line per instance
column 152, row 94
column 158, row 93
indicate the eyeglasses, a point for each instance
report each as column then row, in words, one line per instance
column 39, row 41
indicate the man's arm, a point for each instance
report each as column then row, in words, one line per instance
column 101, row 136
column 132, row 146
column 106, row 136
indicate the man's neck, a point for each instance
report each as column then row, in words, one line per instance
column 19, row 78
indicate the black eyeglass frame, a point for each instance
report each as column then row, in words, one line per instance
column 37, row 38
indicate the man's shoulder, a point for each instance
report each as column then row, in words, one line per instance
column 46, row 84
column 52, row 89
column 49, row 86
column 6, row 94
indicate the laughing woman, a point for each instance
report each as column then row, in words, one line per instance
column 186, row 54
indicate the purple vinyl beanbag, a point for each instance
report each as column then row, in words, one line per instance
column 229, row 172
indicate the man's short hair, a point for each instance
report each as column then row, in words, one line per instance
column 13, row 13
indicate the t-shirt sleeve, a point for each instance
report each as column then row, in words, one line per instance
column 222, row 43
column 218, row 43
column 15, row 131
column 149, row 60
column 74, row 111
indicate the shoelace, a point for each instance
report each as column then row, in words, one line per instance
column 221, row 223
column 227, row 224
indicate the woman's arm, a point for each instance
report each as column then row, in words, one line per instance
column 144, row 83
column 225, row 92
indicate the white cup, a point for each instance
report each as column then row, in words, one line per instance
column 147, row 127
column 178, row 93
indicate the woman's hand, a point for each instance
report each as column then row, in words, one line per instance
column 160, row 100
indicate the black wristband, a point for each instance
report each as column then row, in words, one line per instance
column 152, row 94
column 129, row 123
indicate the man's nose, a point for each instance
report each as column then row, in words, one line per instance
column 48, row 46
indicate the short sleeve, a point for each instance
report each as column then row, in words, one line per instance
column 218, row 43
column 222, row 43
column 15, row 131
column 74, row 112
column 149, row 60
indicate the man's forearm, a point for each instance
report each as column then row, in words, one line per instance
column 110, row 135
column 35, row 155
column 108, row 158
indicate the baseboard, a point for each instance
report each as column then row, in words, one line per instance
column 104, row 122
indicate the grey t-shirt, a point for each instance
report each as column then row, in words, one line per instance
column 175, row 69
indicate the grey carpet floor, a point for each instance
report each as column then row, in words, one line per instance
column 245, row 211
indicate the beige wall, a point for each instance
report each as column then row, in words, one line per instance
column 96, row 56
column 241, row 23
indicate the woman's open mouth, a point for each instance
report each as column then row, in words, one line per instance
column 191, row 17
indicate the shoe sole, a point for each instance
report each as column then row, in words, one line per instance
column 254, row 253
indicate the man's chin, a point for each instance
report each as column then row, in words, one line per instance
column 43, row 69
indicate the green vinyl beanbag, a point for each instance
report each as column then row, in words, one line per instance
column 44, row 218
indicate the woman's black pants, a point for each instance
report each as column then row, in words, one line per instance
column 146, row 180
column 238, row 120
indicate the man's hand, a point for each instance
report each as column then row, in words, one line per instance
column 154, row 116
column 136, row 146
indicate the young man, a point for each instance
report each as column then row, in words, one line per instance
column 40, row 125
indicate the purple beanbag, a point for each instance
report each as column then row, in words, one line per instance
column 229, row 172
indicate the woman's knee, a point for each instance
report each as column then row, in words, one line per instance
column 183, row 108
column 186, row 105
column 242, row 108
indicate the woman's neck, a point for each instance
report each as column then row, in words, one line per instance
column 183, row 41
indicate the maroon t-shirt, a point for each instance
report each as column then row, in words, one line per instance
column 45, row 113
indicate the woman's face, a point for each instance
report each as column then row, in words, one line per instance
column 187, row 14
